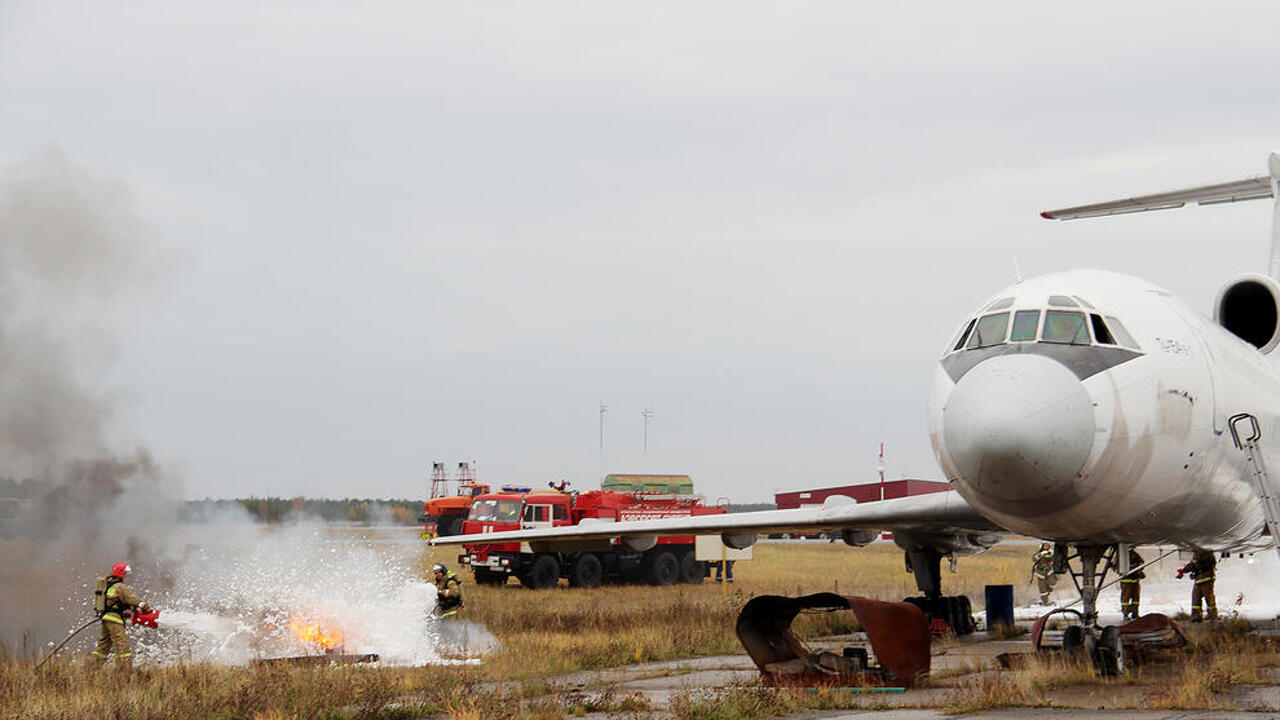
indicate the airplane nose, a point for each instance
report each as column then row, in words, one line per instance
column 1019, row 429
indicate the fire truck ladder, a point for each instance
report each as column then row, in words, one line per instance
column 1258, row 472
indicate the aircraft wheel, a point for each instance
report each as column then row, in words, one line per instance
column 587, row 572
column 664, row 568
column 1072, row 638
column 961, row 613
column 692, row 571
column 542, row 573
column 1108, row 656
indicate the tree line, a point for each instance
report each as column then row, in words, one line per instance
column 277, row 509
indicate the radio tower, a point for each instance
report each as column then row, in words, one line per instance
column 439, row 481
column 465, row 473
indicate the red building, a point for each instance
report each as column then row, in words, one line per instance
column 866, row 492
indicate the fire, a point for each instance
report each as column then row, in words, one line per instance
column 313, row 633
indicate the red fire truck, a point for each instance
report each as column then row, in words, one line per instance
column 657, row 561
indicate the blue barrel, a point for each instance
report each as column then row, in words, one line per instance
column 999, row 606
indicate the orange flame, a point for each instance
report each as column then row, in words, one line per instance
column 311, row 632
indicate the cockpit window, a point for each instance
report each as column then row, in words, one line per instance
column 1061, row 326
column 1118, row 329
column 1025, row 324
column 990, row 330
column 1001, row 304
column 1082, row 301
column 964, row 335
column 1062, row 301
column 1100, row 331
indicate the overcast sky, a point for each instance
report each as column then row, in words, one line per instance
column 405, row 232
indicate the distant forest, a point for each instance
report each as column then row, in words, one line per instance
column 276, row 509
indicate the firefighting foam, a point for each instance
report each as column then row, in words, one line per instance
column 242, row 592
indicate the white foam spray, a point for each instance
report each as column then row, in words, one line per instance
column 238, row 591
column 1244, row 589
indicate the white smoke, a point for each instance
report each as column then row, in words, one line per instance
column 71, row 245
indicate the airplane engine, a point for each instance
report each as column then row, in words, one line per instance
column 739, row 541
column 639, row 543
column 859, row 538
column 1248, row 306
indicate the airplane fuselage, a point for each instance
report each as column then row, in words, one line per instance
column 1092, row 407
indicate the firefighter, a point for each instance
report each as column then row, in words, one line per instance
column 1202, row 570
column 448, row 590
column 114, row 601
column 1042, row 571
column 1130, row 585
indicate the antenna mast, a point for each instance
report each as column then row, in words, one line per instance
column 880, row 469
column 604, row 408
column 646, row 413
column 439, row 481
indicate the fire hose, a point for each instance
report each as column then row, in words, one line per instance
column 146, row 619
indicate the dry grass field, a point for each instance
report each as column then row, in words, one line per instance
column 545, row 634
column 563, row 629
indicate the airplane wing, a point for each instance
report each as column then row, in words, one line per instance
column 936, row 512
column 1253, row 188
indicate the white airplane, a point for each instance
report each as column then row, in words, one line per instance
column 1088, row 408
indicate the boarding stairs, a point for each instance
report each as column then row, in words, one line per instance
column 1258, row 471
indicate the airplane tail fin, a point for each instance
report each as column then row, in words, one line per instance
column 1254, row 188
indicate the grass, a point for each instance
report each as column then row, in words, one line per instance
column 74, row 690
column 564, row 630
column 751, row 702
column 1028, row 686
column 544, row 634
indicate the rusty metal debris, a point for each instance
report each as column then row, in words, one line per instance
column 1152, row 631
column 897, row 632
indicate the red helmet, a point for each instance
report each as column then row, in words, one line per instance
column 120, row 569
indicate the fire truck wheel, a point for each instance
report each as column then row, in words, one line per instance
column 485, row 576
column 450, row 525
column 692, row 571
column 664, row 568
column 587, row 572
column 542, row 573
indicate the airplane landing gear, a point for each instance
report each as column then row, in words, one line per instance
column 1103, row 645
column 926, row 564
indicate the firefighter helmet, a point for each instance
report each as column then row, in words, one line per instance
column 439, row 569
column 120, row 569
